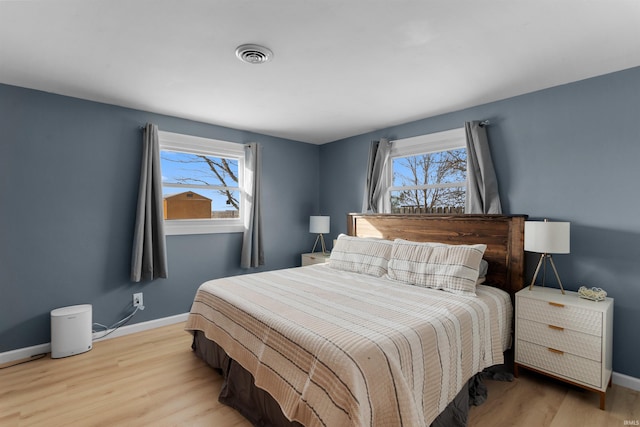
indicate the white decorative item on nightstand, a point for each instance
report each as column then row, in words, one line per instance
column 565, row 337
column 315, row 258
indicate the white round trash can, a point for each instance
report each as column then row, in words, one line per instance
column 71, row 330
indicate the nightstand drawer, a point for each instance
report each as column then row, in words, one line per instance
column 564, row 316
column 567, row 365
column 577, row 343
column 314, row 258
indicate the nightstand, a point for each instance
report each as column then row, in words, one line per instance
column 314, row 258
column 565, row 337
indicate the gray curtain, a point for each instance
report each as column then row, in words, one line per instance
column 482, row 184
column 252, row 250
column 149, row 256
column 378, row 180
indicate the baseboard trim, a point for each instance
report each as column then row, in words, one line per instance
column 626, row 381
column 36, row 350
column 24, row 353
column 139, row 327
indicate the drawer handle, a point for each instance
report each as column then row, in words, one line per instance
column 553, row 350
column 556, row 304
column 557, row 328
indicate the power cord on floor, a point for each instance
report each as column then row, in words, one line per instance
column 31, row 359
column 111, row 329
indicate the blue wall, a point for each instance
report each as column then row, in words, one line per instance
column 68, row 182
column 568, row 153
column 69, row 173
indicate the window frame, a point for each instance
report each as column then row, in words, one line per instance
column 453, row 139
column 190, row 144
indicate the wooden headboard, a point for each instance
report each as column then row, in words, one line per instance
column 503, row 235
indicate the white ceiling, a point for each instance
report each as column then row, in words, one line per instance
column 340, row 67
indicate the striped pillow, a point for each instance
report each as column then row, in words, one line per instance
column 452, row 268
column 361, row 255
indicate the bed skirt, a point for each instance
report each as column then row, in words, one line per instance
column 256, row 405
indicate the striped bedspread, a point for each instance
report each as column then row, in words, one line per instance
column 337, row 348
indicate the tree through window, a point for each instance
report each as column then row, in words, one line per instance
column 215, row 178
column 428, row 181
column 202, row 184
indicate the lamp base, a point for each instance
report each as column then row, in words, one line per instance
column 321, row 239
column 543, row 259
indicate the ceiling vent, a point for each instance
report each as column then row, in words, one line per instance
column 253, row 54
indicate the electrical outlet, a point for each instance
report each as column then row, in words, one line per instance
column 137, row 300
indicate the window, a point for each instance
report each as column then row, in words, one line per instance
column 201, row 184
column 429, row 173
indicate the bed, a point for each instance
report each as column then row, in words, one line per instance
column 346, row 343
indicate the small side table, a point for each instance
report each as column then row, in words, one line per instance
column 565, row 337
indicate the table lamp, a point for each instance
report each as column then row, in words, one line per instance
column 319, row 225
column 546, row 238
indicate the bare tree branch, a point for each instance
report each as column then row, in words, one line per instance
column 429, row 169
column 220, row 167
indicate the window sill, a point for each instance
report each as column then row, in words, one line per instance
column 183, row 227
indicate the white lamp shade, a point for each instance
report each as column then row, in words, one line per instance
column 547, row 237
column 319, row 224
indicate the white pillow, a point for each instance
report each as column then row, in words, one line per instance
column 452, row 268
column 484, row 269
column 361, row 255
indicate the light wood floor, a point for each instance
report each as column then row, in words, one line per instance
column 152, row 378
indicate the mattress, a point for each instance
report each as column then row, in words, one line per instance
column 342, row 348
